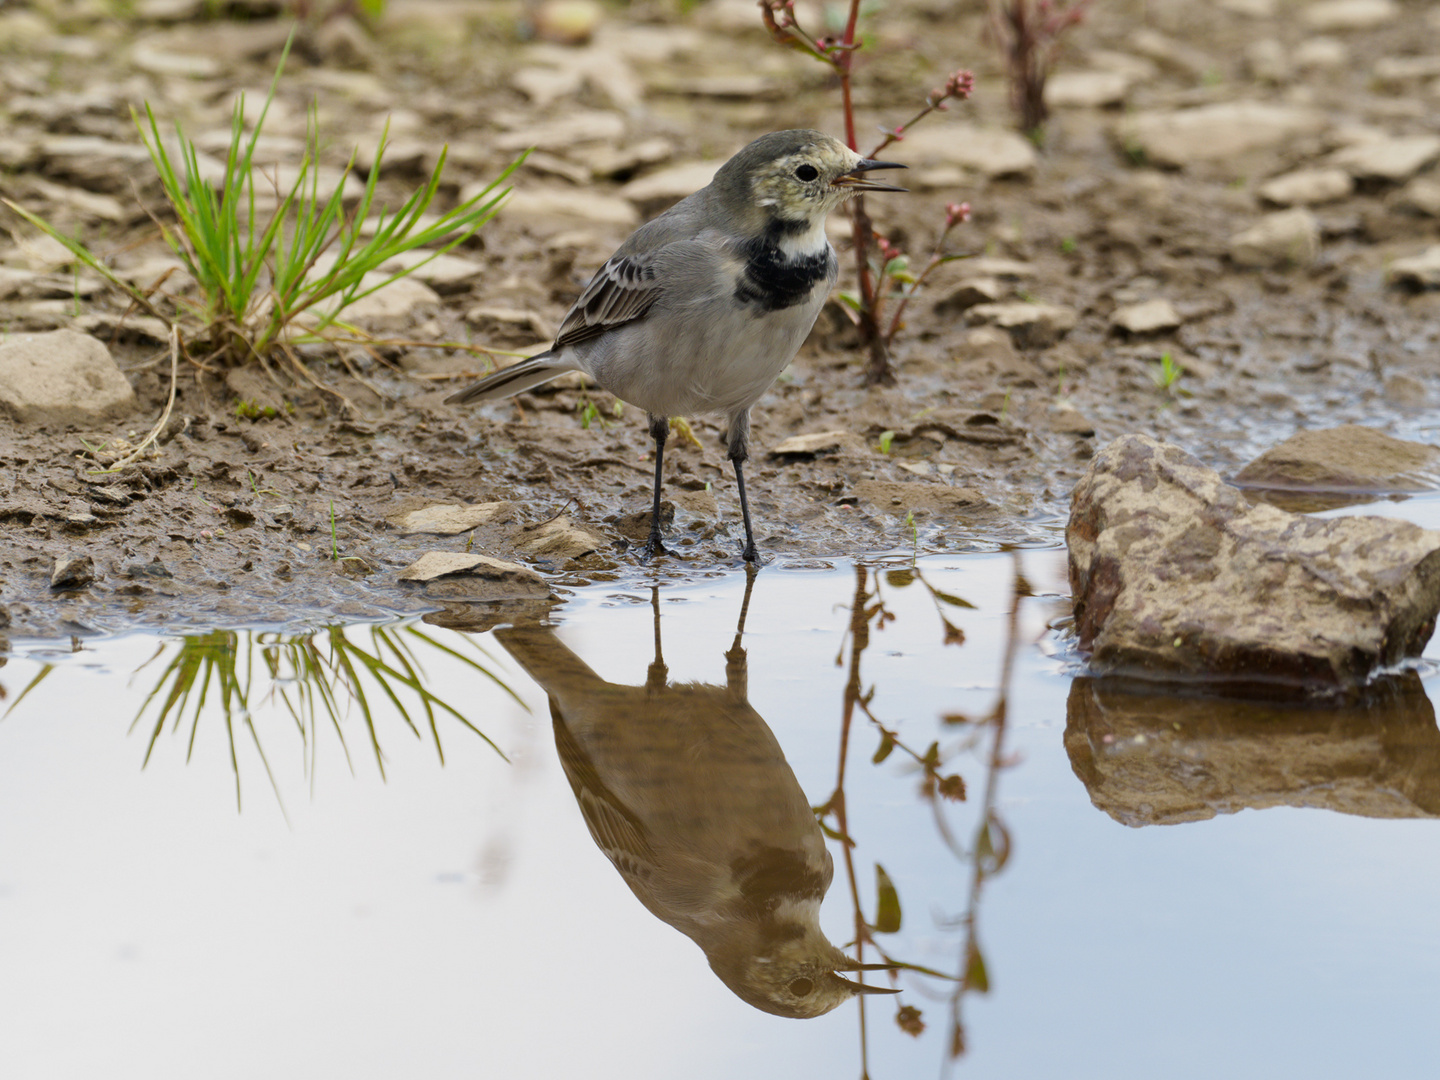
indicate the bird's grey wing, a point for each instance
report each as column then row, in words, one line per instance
column 623, row 290
column 616, row 830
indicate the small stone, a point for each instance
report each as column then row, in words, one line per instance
column 1254, row 9
column 816, row 443
column 1031, row 326
column 1284, row 238
column 1407, row 68
column 1216, row 132
column 544, row 85
column 1406, row 391
column 1086, row 89
column 185, row 66
column 1068, row 420
column 541, row 205
column 1321, row 53
column 990, row 152
column 1308, row 187
column 659, row 190
column 1419, row 271
column 1149, row 317
column 397, row 303
column 455, row 575
column 579, row 126
column 970, row 293
column 61, row 378
column 72, row 572
column 1327, row 15
column 1345, row 458
column 1392, row 160
column 567, row 22
column 557, row 540
column 453, row 520
column 1178, row 578
column 1268, row 61
column 1419, row 196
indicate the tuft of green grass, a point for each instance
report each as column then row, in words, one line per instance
column 1166, row 373
column 270, row 283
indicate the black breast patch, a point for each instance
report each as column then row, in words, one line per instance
column 771, row 281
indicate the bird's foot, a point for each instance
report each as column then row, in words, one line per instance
column 751, row 555
column 653, row 546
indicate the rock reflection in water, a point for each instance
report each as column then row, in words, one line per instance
column 1156, row 759
column 686, row 791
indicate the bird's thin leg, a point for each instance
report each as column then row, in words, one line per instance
column 738, row 439
column 655, row 679
column 736, row 677
column 659, row 431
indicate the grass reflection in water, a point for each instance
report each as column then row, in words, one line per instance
column 322, row 679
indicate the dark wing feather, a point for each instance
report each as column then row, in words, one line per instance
column 623, row 290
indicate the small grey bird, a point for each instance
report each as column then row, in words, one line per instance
column 702, row 308
column 687, row 793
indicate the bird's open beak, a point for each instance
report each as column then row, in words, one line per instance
column 865, row 988
column 857, row 179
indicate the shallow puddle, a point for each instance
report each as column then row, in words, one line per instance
column 1132, row 885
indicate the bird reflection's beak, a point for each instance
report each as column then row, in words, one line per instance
column 857, row 179
column 865, row 988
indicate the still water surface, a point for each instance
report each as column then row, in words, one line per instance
column 459, row 920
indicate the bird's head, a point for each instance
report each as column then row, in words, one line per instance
column 800, row 977
column 799, row 176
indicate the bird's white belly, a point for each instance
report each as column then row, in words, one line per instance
column 677, row 363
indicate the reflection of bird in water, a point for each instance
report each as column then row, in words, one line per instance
column 687, row 792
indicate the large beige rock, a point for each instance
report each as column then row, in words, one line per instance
column 1176, row 577
column 61, row 378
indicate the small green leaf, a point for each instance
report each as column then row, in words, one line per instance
column 850, row 300
column 887, row 904
column 886, row 438
column 887, row 744
column 951, row 599
column 976, row 977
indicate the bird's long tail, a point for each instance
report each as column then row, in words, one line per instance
column 513, row 379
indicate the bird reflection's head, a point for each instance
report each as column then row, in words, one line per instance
column 799, row 977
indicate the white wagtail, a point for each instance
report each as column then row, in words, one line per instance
column 687, row 793
column 702, row 308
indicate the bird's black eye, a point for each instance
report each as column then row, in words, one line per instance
column 802, row 987
column 806, row 173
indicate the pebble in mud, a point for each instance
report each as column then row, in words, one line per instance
column 72, row 572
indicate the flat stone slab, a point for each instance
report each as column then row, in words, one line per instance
column 1031, row 326
column 443, row 520
column 1418, row 271
column 1345, row 458
column 1284, row 238
column 1391, row 160
column 1179, row 137
column 818, row 442
column 1176, row 577
column 1148, row 317
column 61, row 377
column 557, row 540
column 1307, row 187
column 456, row 575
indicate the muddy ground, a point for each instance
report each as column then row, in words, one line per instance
column 293, row 519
